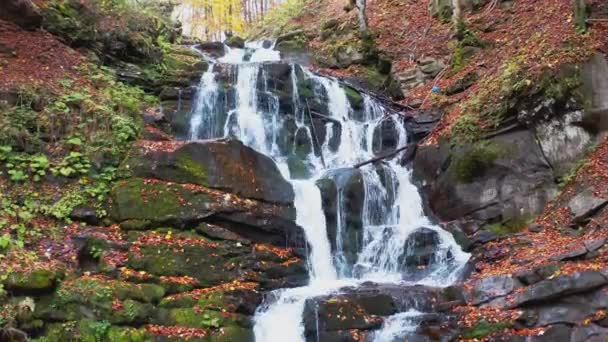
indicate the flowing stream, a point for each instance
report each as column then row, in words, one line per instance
column 371, row 244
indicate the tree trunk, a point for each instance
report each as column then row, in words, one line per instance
column 361, row 15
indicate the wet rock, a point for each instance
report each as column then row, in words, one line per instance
column 559, row 286
column 420, row 248
column 235, row 42
column 584, row 204
column 214, row 49
column 347, row 185
column 346, row 312
column 493, row 287
column 223, row 164
column 386, row 136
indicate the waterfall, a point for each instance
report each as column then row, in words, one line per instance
column 369, row 247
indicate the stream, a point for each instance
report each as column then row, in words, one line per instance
column 362, row 225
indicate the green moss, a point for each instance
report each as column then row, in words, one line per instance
column 193, row 168
column 36, row 280
column 235, row 41
column 354, row 97
column 483, row 329
column 126, row 334
column 206, row 263
column 156, row 202
column 475, row 161
column 232, row 334
column 509, row 227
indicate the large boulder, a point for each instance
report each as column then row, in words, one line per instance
column 502, row 179
column 21, row 12
column 220, row 164
column 560, row 286
column 141, row 204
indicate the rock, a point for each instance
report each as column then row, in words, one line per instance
column 569, row 309
column 222, row 164
column 585, row 204
column 38, row 281
column 559, row 286
column 218, row 263
column 536, row 228
column 485, row 182
column 214, row 49
column 21, row 12
column 235, row 42
column 219, row 233
column 431, row 66
column 462, row 84
column 492, row 287
column 386, row 136
column 143, row 204
column 594, row 76
column 349, row 184
column 85, row 214
column 562, row 140
column 346, row 312
column 533, row 276
column 575, row 251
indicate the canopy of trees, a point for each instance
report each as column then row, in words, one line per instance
column 213, row 19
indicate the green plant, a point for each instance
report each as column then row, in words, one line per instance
column 100, row 329
column 38, row 166
column 73, row 164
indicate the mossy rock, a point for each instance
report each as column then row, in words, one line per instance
column 147, row 293
column 473, row 162
column 354, row 97
column 221, row 164
column 206, row 263
column 132, row 313
column 484, row 328
column 233, row 334
column 32, row 282
column 235, row 42
column 155, row 203
column 201, row 319
column 127, row 334
column 94, row 331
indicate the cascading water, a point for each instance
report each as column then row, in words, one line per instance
column 391, row 210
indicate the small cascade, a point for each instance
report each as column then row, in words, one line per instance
column 378, row 228
column 204, row 120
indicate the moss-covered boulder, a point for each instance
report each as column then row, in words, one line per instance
column 32, row 282
column 235, row 42
column 222, row 164
column 140, row 204
column 354, row 97
column 213, row 263
column 100, row 298
column 94, row 331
